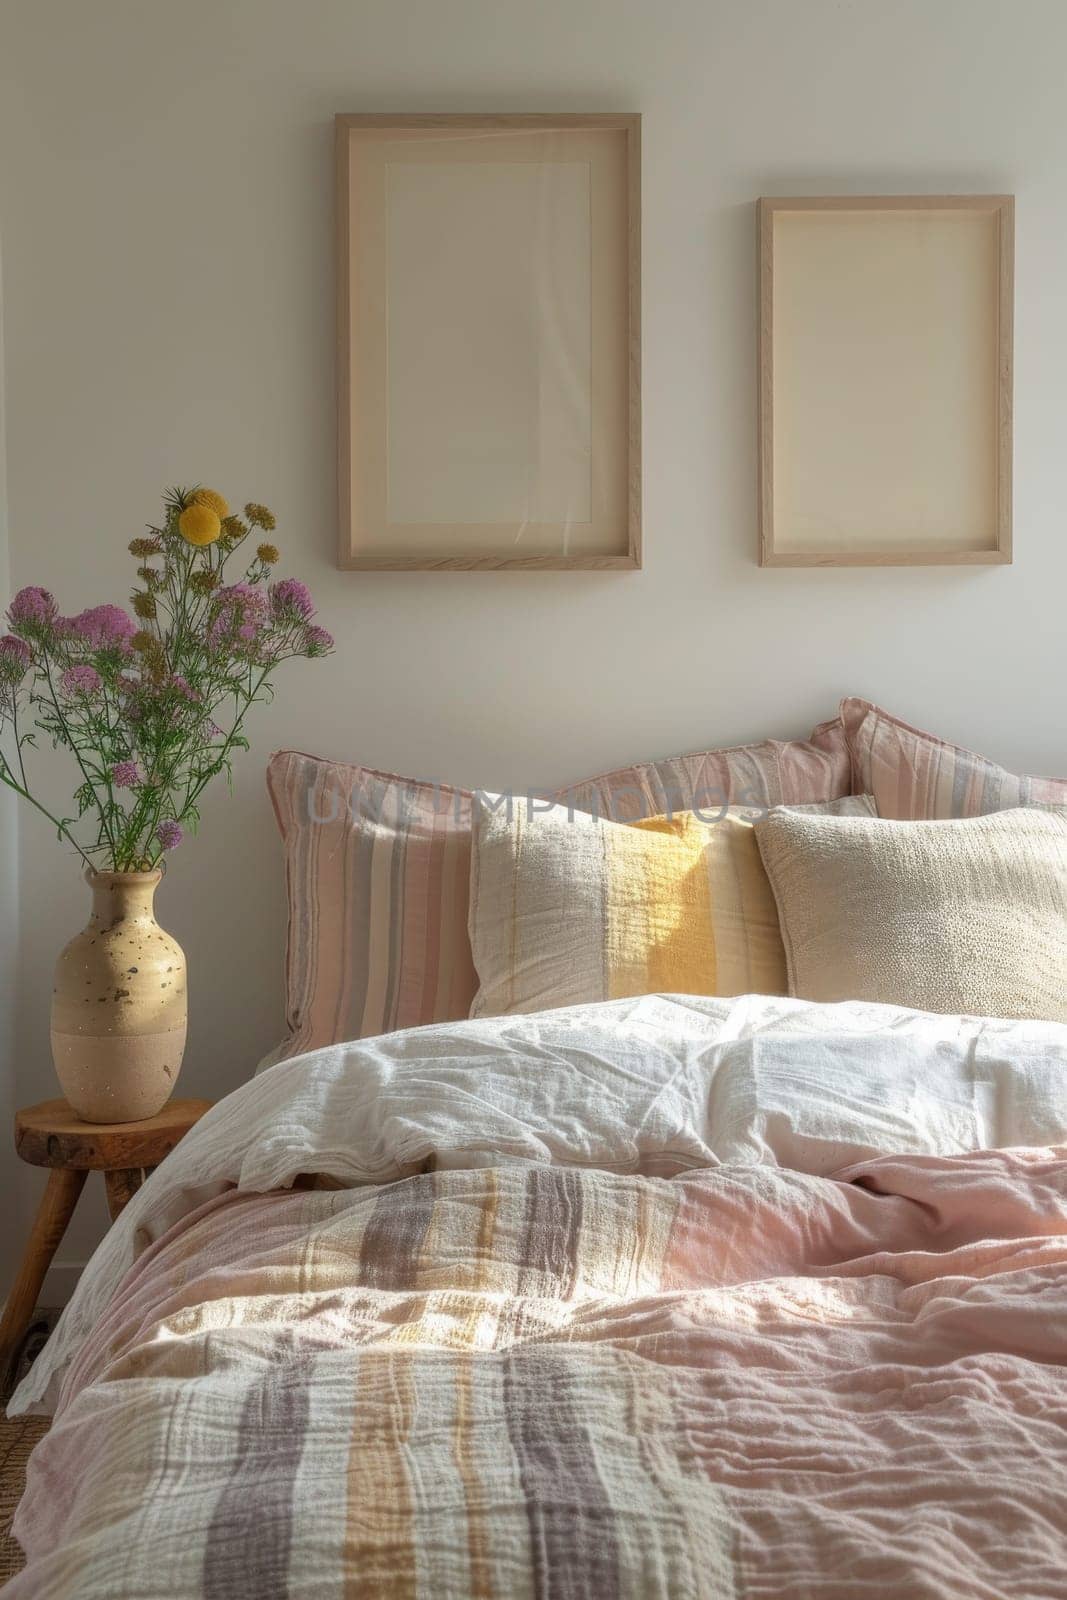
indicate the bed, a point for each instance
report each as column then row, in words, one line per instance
column 664, row 1296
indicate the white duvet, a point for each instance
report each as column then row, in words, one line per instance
column 654, row 1085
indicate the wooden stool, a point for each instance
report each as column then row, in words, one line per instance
column 50, row 1135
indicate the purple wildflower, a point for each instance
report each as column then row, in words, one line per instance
column 80, row 680
column 183, row 687
column 245, row 595
column 32, row 608
column 240, row 616
column 290, row 601
column 169, row 834
column 104, row 628
column 14, row 659
column 318, row 641
column 125, row 775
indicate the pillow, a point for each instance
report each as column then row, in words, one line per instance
column 773, row 772
column 567, row 910
column 377, row 872
column 912, row 774
column 960, row 916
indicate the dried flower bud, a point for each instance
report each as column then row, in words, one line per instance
column 142, row 641
column 203, row 582
column 233, row 530
column 260, row 516
column 268, row 554
column 145, row 547
column 144, row 604
column 154, row 661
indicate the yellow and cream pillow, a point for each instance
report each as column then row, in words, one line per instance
column 566, row 909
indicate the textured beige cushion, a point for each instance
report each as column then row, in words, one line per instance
column 960, row 916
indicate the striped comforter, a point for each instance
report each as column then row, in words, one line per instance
column 530, row 1378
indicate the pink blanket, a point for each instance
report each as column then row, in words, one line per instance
column 544, row 1381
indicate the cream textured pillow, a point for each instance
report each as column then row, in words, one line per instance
column 959, row 916
column 566, row 909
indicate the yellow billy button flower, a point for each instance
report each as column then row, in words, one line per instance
column 212, row 499
column 199, row 524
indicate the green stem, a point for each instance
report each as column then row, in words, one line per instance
column 191, row 798
column 8, row 777
column 194, row 793
column 113, row 807
column 18, row 743
column 134, row 828
column 149, row 812
column 105, row 829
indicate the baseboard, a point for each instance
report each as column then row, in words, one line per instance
column 60, row 1282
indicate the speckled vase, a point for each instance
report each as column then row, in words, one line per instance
column 119, row 1005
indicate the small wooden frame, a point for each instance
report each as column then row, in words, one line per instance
column 885, row 380
column 489, row 342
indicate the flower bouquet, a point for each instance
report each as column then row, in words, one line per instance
column 151, row 707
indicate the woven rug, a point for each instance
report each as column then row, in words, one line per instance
column 17, row 1439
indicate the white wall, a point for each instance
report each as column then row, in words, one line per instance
column 167, row 230
column 11, row 1220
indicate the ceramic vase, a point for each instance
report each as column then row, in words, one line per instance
column 119, row 1005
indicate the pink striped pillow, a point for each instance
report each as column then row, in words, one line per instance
column 378, row 872
column 772, row 772
column 914, row 775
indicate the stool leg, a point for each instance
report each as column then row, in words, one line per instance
column 122, row 1186
column 53, row 1214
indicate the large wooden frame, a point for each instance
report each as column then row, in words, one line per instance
column 885, row 380
column 569, row 397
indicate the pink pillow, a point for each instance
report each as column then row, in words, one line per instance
column 913, row 775
column 773, row 772
column 378, row 869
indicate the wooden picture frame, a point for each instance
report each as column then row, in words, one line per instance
column 489, row 342
column 885, row 380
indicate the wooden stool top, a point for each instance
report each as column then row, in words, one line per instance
column 52, row 1135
